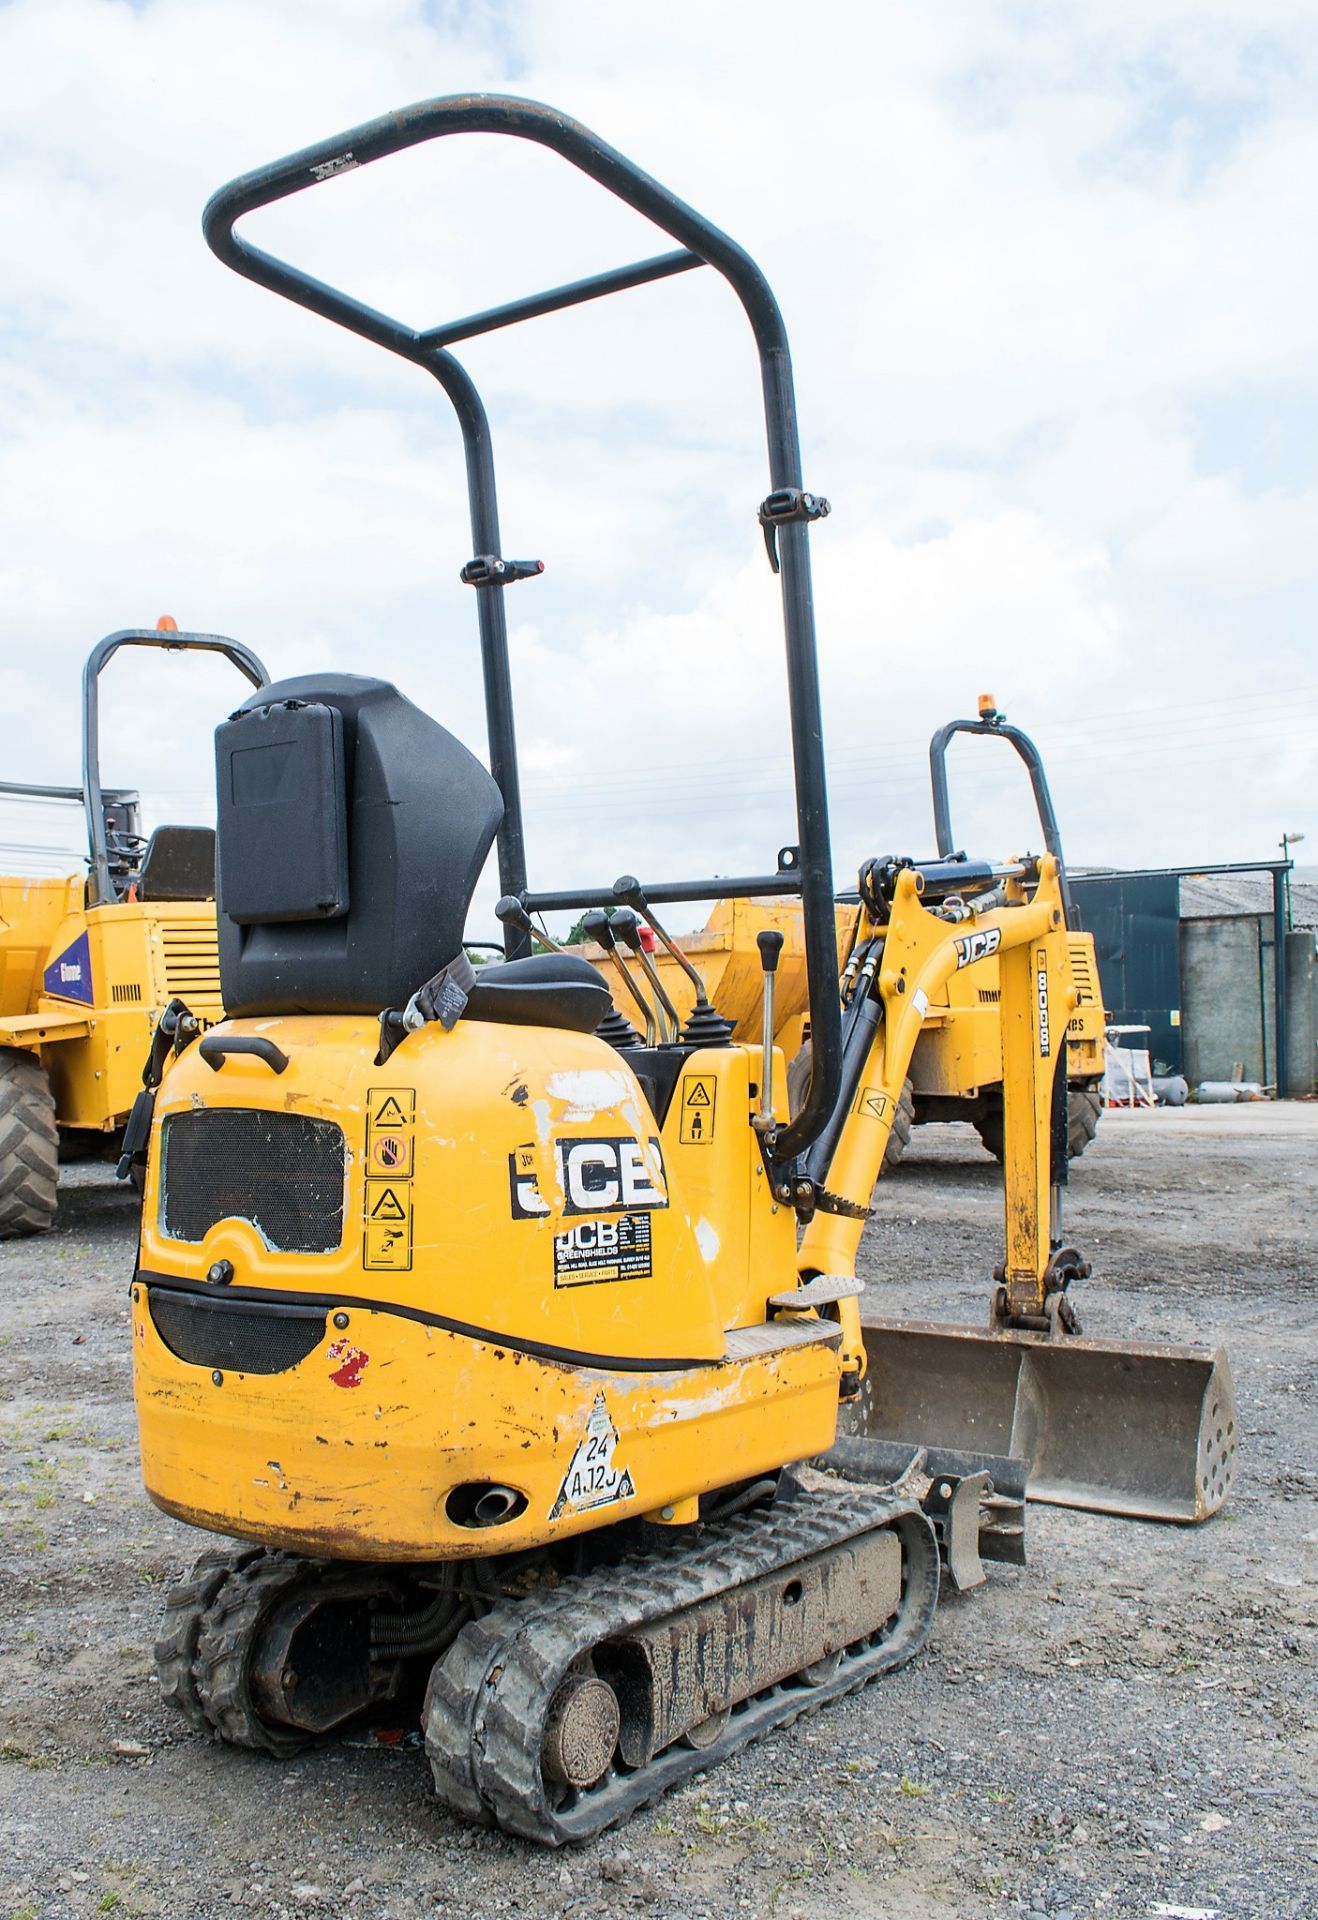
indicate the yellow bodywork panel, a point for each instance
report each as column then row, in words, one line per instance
column 89, row 1011
column 530, row 1283
column 366, row 1470
column 30, row 912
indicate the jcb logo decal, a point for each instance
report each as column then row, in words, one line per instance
column 976, row 946
column 594, row 1176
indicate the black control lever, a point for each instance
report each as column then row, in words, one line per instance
column 705, row 1027
column 627, row 928
column 596, row 926
column 511, row 913
column 629, row 889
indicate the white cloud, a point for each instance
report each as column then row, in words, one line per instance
column 1022, row 252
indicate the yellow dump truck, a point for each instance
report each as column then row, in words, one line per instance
column 89, row 961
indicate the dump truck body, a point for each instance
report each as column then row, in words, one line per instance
column 956, row 1068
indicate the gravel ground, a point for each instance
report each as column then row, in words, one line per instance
column 1127, row 1726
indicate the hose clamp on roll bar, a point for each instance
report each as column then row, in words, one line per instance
column 786, row 504
column 488, row 570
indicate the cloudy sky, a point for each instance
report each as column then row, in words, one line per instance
column 1050, row 279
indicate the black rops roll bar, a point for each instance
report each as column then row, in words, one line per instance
column 1043, row 799
column 101, row 887
column 702, row 244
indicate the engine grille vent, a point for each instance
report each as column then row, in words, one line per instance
column 1082, row 968
column 990, row 996
column 192, row 961
column 124, row 993
column 282, row 1171
column 231, row 1335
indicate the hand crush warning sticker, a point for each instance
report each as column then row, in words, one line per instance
column 387, row 1187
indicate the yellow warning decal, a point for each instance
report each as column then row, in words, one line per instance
column 387, row 1187
column 699, row 1099
column 385, row 1203
column 872, row 1102
column 391, row 1106
column 388, row 1245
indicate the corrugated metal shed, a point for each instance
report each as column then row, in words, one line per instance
column 1218, row 896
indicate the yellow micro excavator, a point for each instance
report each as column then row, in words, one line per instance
column 480, row 1327
column 955, row 1068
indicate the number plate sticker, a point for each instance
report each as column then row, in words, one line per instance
column 593, row 1478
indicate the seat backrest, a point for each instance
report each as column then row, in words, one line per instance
column 179, row 864
column 352, row 831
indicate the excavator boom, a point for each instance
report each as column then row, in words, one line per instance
column 1144, row 1430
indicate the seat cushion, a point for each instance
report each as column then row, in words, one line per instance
column 548, row 990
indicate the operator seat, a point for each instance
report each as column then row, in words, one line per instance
column 179, row 864
column 352, row 830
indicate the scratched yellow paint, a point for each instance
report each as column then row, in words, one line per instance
column 371, row 1433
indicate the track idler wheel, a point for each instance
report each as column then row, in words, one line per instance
column 581, row 1731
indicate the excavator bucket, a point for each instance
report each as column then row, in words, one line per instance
column 1147, row 1431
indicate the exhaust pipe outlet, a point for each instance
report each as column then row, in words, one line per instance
column 484, row 1503
column 496, row 1505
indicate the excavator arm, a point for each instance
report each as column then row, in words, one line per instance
column 920, row 950
column 1147, row 1430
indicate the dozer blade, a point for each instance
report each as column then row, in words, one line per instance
column 1147, row 1431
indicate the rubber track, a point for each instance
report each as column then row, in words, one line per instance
column 29, row 1146
column 228, row 1632
column 489, row 1695
column 176, row 1646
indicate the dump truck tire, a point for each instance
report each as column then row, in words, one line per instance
column 1083, row 1108
column 902, row 1121
column 29, row 1146
column 899, row 1137
column 989, row 1128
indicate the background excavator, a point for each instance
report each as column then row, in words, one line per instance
column 488, row 1331
column 955, row 1070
